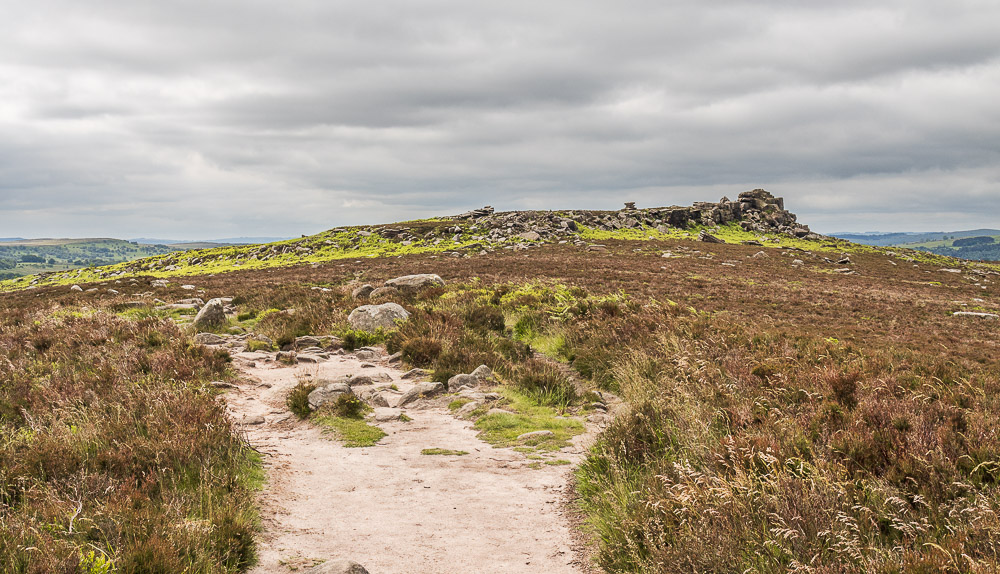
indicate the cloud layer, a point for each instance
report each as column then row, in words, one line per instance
column 190, row 119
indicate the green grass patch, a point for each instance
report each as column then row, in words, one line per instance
column 353, row 432
column 443, row 452
column 502, row 429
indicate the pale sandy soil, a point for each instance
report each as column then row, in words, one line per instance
column 390, row 508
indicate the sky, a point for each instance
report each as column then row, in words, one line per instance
column 211, row 118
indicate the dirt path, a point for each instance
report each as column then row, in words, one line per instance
column 388, row 507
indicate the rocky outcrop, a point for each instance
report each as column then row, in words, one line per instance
column 374, row 317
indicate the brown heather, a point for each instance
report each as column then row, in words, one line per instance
column 112, row 449
column 777, row 418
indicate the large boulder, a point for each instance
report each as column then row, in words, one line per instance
column 420, row 391
column 212, row 314
column 414, row 283
column 374, row 317
column 328, row 393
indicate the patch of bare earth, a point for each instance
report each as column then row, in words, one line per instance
column 390, row 508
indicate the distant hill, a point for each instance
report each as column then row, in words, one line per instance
column 985, row 244
column 223, row 241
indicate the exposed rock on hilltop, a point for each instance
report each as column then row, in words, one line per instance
column 756, row 211
column 480, row 231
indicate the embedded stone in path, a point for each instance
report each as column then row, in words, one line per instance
column 420, row 391
column 341, row 566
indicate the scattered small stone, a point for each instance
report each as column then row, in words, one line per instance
column 76, row 288
column 288, row 357
column 222, row 385
column 208, row 339
column 798, row 263
column 414, row 374
column 341, row 566
column 253, row 421
column 598, row 248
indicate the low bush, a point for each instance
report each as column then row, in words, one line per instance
column 421, row 351
column 297, row 399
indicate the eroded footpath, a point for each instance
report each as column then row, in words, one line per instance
column 388, row 507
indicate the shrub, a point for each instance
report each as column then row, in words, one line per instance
column 484, row 317
column 422, row 351
column 355, row 339
column 544, row 383
column 347, row 406
column 298, row 399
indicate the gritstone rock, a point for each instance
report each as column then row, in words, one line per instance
column 330, row 392
column 374, row 317
column 420, row 391
column 414, row 283
column 211, row 315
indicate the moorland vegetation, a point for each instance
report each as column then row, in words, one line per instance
column 798, row 405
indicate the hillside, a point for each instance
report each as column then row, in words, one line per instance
column 760, row 398
column 19, row 257
column 941, row 243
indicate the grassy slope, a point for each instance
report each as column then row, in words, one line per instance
column 356, row 242
column 779, row 416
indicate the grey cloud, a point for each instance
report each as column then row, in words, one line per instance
column 153, row 118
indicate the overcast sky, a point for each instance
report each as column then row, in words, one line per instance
column 209, row 118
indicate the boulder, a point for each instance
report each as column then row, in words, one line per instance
column 362, row 292
column 414, row 374
column 341, row 566
column 212, row 314
column 383, row 293
column 483, row 373
column 530, row 236
column 420, row 391
column 374, row 317
column 459, row 381
column 413, row 283
column 325, row 394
